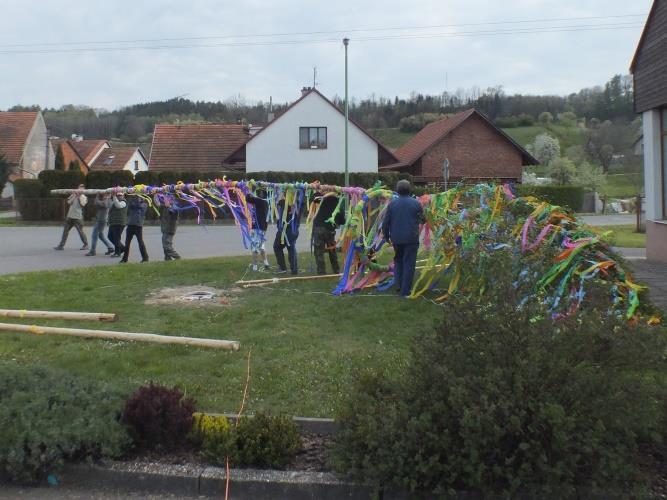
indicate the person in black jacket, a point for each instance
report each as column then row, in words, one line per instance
column 291, row 229
column 259, row 227
column 136, row 213
column 324, row 231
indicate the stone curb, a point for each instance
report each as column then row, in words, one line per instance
column 194, row 481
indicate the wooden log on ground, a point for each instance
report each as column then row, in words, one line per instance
column 125, row 336
column 267, row 281
column 24, row 313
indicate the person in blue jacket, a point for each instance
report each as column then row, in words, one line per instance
column 401, row 228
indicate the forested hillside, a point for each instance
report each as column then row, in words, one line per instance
column 612, row 101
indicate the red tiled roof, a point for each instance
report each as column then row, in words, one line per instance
column 88, row 148
column 113, row 158
column 430, row 135
column 15, row 128
column 434, row 132
column 194, row 147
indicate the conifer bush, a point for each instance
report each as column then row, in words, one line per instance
column 503, row 399
column 48, row 417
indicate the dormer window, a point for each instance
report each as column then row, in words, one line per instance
column 312, row 137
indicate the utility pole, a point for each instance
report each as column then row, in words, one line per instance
column 314, row 76
column 346, row 41
column 445, row 172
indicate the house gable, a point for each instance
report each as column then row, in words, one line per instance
column 15, row 129
column 277, row 145
column 120, row 159
column 649, row 65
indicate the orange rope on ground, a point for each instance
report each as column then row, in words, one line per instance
column 238, row 416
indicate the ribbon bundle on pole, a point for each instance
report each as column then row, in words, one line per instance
column 462, row 223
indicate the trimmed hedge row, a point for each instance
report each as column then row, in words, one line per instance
column 565, row 196
column 336, row 178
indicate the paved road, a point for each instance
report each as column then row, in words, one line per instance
column 66, row 493
column 609, row 220
column 31, row 248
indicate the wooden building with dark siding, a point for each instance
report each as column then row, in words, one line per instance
column 649, row 69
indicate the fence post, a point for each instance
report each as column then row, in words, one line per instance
column 638, row 209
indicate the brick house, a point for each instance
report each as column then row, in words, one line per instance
column 476, row 150
column 25, row 143
column 649, row 70
column 194, row 147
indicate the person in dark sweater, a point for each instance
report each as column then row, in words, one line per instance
column 291, row 233
column 102, row 206
column 259, row 226
column 168, row 223
column 401, row 228
column 324, row 231
column 117, row 222
column 136, row 213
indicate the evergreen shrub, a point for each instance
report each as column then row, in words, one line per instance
column 260, row 441
column 48, row 416
column 566, row 196
column 501, row 399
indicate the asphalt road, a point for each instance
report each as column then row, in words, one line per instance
column 31, row 248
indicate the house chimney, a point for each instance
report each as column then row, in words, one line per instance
column 271, row 114
column 305, row 90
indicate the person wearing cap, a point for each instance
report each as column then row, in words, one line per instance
column 401, row 229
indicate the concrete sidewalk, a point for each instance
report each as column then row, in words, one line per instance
column 654, row 275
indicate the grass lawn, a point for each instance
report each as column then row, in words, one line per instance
column 305, row 344
column 567, row 136
column 625, row 236
column 392, row 137
column 624, row 185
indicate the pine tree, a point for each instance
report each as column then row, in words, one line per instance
column 60, row 158
column 74, row 165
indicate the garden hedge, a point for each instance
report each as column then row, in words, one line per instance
column 565, row 196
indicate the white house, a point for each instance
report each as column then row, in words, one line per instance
column 649, row 68
column 309, row 136
column 131, row 159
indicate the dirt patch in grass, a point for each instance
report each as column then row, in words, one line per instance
column 194, row 296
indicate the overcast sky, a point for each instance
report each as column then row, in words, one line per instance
column 58, row 72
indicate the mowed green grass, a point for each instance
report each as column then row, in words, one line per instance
column 392, row 137
column 567, row 136
column 624, row 236
column 305, row 345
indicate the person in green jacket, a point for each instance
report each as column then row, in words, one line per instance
column 168, row 223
